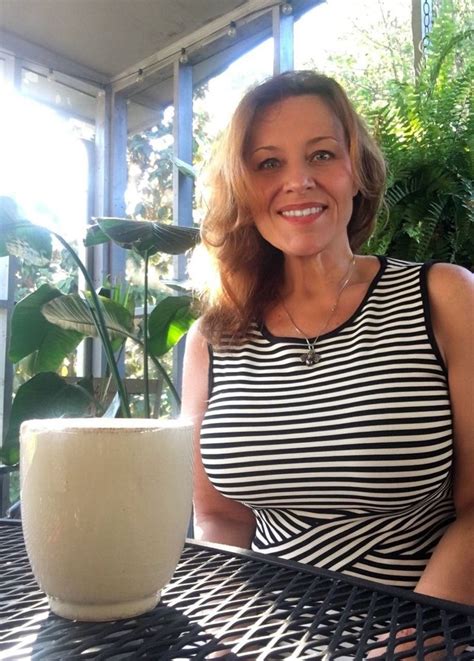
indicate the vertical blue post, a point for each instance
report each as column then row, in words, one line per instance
column 182, row 184
column 102, row 178
column 183, row 149
column 98, row 259
column 119, row 178
column 111, row 175
column 283, row 56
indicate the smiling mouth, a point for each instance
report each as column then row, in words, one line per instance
column 302, row 213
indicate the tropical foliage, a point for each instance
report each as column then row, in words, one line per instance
column 47, row 324
column 425, row 129
column 424, row 123
column 150, row 166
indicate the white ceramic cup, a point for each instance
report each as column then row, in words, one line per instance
column 105, row 507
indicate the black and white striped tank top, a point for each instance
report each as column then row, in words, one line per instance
column 346, row 464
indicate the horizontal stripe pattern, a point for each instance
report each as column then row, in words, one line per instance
column 346, row 464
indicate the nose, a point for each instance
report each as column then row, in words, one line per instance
column 298, row 178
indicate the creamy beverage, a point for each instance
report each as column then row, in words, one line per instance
column 105, row 505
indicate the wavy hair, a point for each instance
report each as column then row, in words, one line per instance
column 247, row 270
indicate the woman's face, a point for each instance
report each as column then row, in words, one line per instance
column 301, row 177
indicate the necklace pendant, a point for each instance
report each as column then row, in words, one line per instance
column 310, row 358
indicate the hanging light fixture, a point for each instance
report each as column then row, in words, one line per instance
column 139, row 77
column 183, row 58
column 232, row 30
column 286, row 8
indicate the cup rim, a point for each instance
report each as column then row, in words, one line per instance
column 92, row 425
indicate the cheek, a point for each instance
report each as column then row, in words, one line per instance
column 262, row 193
column 266, row 226
column 349, row 173
column 344, row 186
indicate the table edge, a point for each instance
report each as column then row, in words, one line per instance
column 233, row 551
column 401, row 593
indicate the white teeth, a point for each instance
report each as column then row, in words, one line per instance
column 299, row 213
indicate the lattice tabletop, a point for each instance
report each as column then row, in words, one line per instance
column 227, row 605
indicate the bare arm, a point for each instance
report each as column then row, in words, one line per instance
column 216, row 518
column 450, row 571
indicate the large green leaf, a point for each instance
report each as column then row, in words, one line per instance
column 143, row 235
column 169, row 321
column 20, row 238
column 31, row 333
column 95, row 236
column 26, row 241
column 72, row 312
column 46, row 395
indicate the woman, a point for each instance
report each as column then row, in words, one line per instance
column 332, row 392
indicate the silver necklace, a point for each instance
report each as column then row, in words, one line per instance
column 311, row 356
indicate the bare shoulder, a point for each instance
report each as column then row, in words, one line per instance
column 451, row 294
column 450, row 280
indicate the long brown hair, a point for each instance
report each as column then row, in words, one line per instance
column 248, row 271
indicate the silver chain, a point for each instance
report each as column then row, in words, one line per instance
column 311, row 357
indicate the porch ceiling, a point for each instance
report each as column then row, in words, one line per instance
column 95, row 42
column 108, row 36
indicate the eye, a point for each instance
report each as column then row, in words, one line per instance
column 321, row 155
column 268, row 164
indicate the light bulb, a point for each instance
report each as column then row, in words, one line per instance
column 183, row 58
column 139, row 77
column 286, row 8
column 232, row 30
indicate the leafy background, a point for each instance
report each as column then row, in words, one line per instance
column 422, row 119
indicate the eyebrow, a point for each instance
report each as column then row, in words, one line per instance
column 313, row 141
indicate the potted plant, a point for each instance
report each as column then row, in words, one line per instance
column 61, row 321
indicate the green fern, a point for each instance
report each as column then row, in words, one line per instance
column 426, row 130
column 428, row 227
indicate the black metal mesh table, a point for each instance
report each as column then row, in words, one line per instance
column 228, row 605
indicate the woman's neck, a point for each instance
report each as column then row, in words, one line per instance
column 310, row 292
column 316, row 276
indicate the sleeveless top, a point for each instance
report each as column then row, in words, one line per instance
column 346, row 464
